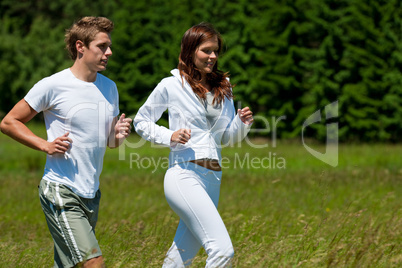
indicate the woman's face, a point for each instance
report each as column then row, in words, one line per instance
column 206, row 55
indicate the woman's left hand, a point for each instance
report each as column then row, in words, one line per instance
column 246, row 115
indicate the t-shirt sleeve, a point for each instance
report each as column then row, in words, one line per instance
column 39, row 96
column 116, row 102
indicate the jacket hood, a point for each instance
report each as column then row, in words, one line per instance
column 176, row 73
column 182, row 80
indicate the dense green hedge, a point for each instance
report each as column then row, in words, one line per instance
column 287, row 58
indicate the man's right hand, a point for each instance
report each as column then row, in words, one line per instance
column 59, row 145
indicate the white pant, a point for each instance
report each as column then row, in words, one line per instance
column 192, row 192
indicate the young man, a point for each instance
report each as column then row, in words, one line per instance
column 80, row 108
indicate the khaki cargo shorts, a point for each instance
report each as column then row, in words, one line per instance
column 71, row 220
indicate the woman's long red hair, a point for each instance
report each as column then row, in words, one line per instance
column 217, row 79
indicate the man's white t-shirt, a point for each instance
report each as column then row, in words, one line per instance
column 85, row 110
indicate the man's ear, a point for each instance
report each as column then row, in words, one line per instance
column 79, row 45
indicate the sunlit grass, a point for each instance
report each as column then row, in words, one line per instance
column 307, row 214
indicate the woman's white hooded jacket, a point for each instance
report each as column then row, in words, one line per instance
column 186, row 111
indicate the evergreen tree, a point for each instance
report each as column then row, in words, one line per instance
column 288, row 59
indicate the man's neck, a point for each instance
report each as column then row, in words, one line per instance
column 83, row 73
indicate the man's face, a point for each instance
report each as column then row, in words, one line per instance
column 96, row 55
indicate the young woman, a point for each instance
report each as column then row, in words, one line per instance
column 202, row 118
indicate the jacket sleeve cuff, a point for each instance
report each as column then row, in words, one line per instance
column 244, row 128
column 167, row 136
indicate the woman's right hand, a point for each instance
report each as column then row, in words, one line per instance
column 181, row 136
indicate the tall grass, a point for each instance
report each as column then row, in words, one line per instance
column 303, row 214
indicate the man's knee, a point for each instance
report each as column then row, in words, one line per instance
column 96, row 262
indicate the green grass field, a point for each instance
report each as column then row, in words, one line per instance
column 282, row 206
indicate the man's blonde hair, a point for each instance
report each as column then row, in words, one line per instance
column 85, row 30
